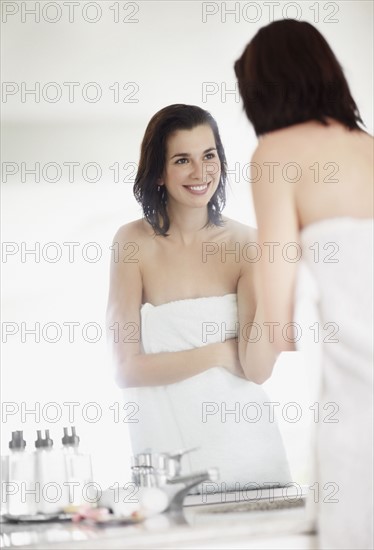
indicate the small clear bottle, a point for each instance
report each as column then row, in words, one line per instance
column 4, row 485
column 78, row 468
column 21, row 488
column 50, row 473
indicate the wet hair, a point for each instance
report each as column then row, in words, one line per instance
column 147, row 191
column 288, row 74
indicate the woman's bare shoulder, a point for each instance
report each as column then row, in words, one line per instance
column 135, row 230
column 240, row 231
column 306, row 136
column 276, row 145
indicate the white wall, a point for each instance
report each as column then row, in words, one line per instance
column 168, row 54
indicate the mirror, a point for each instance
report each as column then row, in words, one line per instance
column 80, row 85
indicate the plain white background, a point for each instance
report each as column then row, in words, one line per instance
column 157, row 53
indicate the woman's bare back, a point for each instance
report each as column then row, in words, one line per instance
column 329, row 167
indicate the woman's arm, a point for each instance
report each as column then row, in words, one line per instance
column 256, row 352
column 278, row 238
column 133, row 368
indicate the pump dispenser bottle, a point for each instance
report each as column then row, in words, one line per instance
column 4, row 485
column 78, row 470
column 21, row 488
column 50, row 474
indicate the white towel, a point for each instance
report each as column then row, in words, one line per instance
column 339, row 255
column 246, row 445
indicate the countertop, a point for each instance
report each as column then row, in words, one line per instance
column 223, row 525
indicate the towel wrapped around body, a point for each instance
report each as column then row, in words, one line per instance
column 225, row 416
column 338, row 260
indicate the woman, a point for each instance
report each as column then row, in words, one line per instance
column 181, row 295
column 316, row 191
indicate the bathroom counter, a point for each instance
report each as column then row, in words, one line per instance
column 200, row 526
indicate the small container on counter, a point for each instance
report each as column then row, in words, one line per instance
column 50, row 474
column 78, row 470
column 20, row 490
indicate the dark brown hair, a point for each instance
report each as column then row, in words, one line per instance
column 147, row 191
column 288, row 74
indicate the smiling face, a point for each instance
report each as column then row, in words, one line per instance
column 192, row 166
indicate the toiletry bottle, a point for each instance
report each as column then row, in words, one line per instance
column 21, row 490
column 50, row 473
column 78, row 470
column 4, row 485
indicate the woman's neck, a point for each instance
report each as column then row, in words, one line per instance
column 186, row 223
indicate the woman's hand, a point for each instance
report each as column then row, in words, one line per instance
column 229, row 357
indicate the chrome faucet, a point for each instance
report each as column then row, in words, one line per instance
column 189, row 481
column 163, row 470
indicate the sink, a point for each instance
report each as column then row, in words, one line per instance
column 275, row 515
column 257, row 506
column 265, row 498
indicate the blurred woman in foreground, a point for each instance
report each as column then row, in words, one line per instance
column 313, row 194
